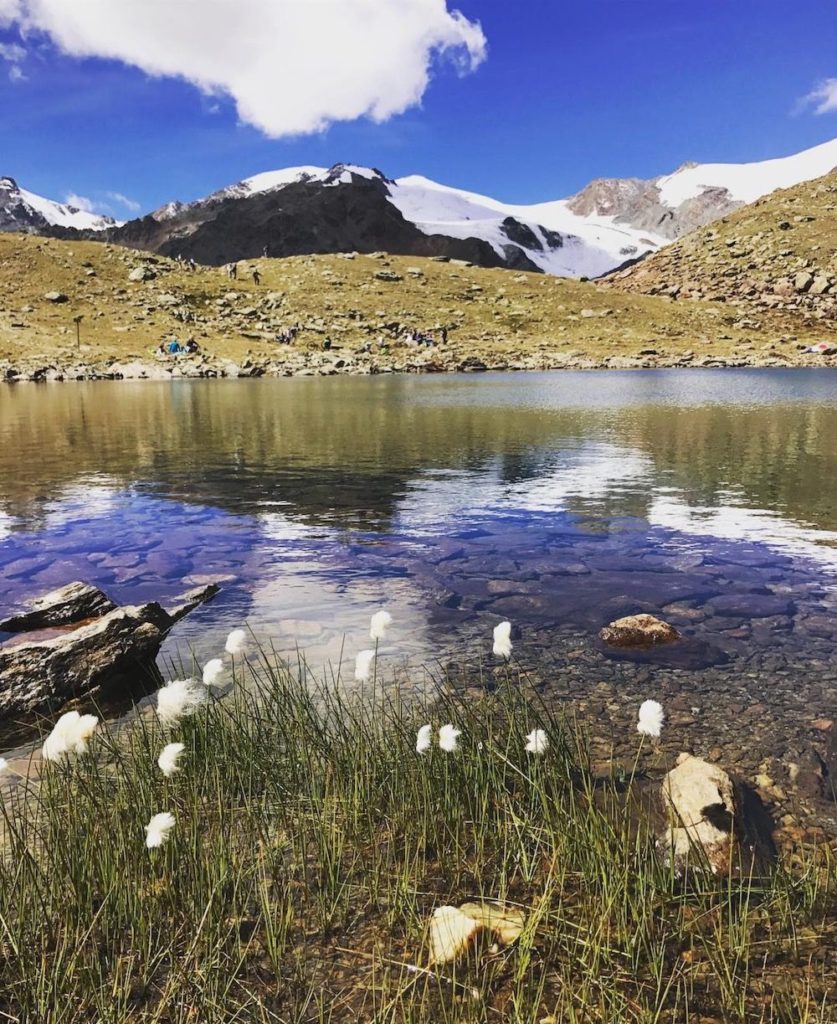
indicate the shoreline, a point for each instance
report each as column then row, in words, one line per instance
column 307, row 364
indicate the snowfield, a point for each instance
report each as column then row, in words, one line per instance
column 748, row 182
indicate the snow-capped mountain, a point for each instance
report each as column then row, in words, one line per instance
column 21, row 210
column 695, row 194
column 548, row 237
column 301, row 210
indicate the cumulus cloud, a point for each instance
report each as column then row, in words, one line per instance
column 823, row 97
column 290, row 66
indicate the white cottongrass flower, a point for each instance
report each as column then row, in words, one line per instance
column 236, row 641
column 502, row 640
column 169, row 756
column 179, row 698
column 212, row 671
column 449, row 738
column 157, row 830
column 651, row 719
column 363, row 665
column 424, row 739
column 70, row 735
column 379, row 624
column 537, row 742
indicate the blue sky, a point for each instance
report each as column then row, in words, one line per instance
column 568, row 90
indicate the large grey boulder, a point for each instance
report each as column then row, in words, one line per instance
column 114, row 648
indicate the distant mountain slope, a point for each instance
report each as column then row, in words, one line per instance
column 696, row 194
column 778, row 253
column 304, row 210
column 21, row 210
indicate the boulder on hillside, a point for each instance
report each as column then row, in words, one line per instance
column 638, row 631
column 56, row 297
column 714, row 820
column 116, row 647
column 142, row 274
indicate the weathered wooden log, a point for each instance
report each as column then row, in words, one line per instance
column 42, row 674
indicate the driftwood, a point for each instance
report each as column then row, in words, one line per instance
column 108, row 646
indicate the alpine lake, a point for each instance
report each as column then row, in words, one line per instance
column 559, row 501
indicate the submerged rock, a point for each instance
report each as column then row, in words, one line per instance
column 117, row 647
column 638, row 631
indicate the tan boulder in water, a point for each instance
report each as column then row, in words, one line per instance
column 638, row 631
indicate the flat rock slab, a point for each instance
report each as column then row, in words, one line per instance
column 62, row 607
column 750, row 606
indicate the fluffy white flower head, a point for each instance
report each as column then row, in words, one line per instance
column 363, row 665
column 502, row 640
column 212, row 672
column 537, row 742
column 70, row 735
column 179, row 698
column 236, row 641
column 157, row 830
column 424, row 739
column 379, row 624
column 169, row 756
column 449, row 738
column 651, row 718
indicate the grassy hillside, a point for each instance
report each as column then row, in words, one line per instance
column 775, row 260
column 361, row 305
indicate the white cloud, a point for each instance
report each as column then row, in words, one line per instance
column 14, row 54
column 123, row 200
column 80, row 202
column 291, row 66
column 823, row 97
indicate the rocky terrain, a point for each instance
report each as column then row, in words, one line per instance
column 773, row 258
column 88, row 310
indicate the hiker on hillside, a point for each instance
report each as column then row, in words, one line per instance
column 257, row 277
column 232, row 271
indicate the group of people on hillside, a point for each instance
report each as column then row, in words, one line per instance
column 189, row 263
column 172, row 347
column 287, row 335
column 419, row 338
column 231, row 270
